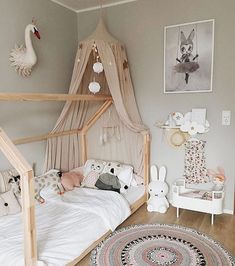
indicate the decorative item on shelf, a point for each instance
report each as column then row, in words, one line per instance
column 192, row 128
column 178, row 118
column 180, row 126
column 195, row 122
column 23, row 57
column 176, row 138
column 158, row 190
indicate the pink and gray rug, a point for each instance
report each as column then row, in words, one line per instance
column 160, row 244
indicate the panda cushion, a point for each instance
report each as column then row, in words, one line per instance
column 115, row 173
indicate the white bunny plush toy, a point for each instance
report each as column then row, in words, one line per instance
column 158, row 189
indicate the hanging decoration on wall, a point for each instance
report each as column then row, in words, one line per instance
column 23, row 57
column 109, row 130
column 98, row 68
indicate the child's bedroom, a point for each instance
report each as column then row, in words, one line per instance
column 117, row 133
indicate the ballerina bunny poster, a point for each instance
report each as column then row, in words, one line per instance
column 188, row 57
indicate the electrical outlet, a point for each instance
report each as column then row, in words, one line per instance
column 226, row 116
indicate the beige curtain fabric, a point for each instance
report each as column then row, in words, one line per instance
column 64, row 152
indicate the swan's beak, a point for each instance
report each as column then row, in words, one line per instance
column 37, row 34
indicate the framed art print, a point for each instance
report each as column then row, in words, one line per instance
column 188, row 57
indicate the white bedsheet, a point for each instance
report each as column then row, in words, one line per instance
column 134, row 193
column 111, row 206
column 66, row 226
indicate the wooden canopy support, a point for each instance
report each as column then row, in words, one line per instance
column 52, row 97
column 96, row 116
column 83, row 131
column 27, row 187
column 46, row 136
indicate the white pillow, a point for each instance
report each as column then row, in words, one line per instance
column 9, row 203
column 126, row 175
column 137, row 180
column 124, row 172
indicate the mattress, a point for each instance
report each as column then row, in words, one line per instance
column 66, row 226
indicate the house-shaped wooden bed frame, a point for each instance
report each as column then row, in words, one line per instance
column 13, row 155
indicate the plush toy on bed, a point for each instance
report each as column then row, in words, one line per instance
column 14, row 182
column 108, row 181
column 71, row 179
column 158, row 189
column 49, row 179
column 114, row 177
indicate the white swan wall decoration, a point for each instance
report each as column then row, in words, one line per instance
column 23, row 57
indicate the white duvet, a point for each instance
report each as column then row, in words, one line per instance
column 66, row 225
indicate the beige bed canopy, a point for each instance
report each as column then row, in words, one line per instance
column 106, row 125
column 116, row 81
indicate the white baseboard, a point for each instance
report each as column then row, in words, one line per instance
column 228, row 211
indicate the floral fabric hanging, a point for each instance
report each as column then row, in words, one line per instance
column 195, row 171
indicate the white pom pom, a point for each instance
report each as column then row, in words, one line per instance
column 98, row 67
column 94, row 87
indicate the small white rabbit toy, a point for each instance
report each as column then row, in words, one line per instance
column 158, row 189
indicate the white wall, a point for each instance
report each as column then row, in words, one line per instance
column 140, row 25
column 55, row 51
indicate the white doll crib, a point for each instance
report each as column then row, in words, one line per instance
column 197, row 200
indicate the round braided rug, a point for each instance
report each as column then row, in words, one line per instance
column 160, row 244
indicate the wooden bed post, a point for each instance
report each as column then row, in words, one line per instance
column 146, row 160
column 27, row 185
column 30, row 242
column 83, row 148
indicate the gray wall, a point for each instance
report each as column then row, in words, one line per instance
column 55, row 51
column 140, row 26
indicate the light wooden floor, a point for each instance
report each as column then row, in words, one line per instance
column 223, row 229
